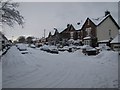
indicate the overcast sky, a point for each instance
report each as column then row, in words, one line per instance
column 39, row 16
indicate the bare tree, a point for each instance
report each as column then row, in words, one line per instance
column 9, row 14
column 29, row 40
column 21, row 39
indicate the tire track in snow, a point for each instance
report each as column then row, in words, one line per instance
column 48, row 74
column 46, row 71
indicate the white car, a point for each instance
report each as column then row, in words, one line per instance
column 22, row 47
column 32, row 46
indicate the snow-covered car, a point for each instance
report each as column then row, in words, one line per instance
column 104, row 47
column 92, row 51
column 38, row 45
column 53, row 49
column 22, row 47
column 66, row 48
column 61, row 49
column 45, row 48
column 85, row 48
column 69, row 48
column 24, row 52
column 50, row 49
column 32, row 46
column 73, row 48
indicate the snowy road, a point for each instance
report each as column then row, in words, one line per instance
column 39, row 69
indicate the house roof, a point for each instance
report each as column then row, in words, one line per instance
column 98, row 21
column 49, row 34
column 103, row 41
column 81, row 23
column 56, row 32
column 111, row 19
column 69, row 28
column 87, row 37
column 116, row 39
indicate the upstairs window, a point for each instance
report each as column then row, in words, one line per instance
column 88, row 22
column 88, row 31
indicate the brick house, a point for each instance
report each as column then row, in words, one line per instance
column 97, row 30
column 91, row 32
column 68, row 33
column 88, row 32
column 63, row 37
column 53, row 39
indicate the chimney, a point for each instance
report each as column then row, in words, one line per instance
column 68, row 25
column 107, row 12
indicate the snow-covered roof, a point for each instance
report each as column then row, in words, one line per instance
column 103, row 41
column 77, row 41
column 92, row 49
column 78, row 27
column 97, row 21
column 87, row 37
column 71, row 39
column 98, row 47
column 116, row 39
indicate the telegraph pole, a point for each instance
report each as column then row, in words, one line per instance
column 44, row 33
column 44, row 37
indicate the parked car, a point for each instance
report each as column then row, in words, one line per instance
column 45, row 48
column 61, row 49
column 24, row 52
column 66, row 48
column 53, row 49
column 32, row 46
column 85, row 48
column 50, row 49
column 70, row 50
column 38, row 45
column 88, row 50
column 91, row 51
column 22, row 48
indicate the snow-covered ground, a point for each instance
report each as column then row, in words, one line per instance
column 39, row 69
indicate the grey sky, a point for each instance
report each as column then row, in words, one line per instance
column 39, row 16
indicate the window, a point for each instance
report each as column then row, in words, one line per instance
column 88, row 22
column 88, row 30
column 71, row 34
column 87, row 42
